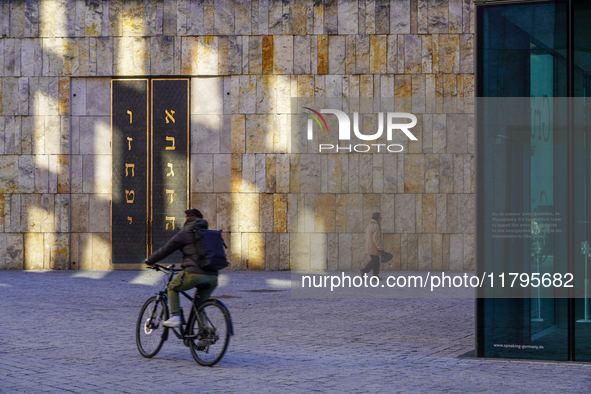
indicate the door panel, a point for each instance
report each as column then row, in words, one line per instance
column 150, row 165
column 129, row 119
column 170, row 136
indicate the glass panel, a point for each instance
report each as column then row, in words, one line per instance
column 521, row 196
column 582, row 157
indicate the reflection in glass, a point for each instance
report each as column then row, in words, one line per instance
column 582, row 157
column 521, row 192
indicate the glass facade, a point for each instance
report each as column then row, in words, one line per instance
column 581, row 58
column 533, row 178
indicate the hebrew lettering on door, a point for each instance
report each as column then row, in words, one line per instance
column 150, row 161
column 129, row 113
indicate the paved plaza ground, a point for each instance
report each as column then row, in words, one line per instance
column 73, row 331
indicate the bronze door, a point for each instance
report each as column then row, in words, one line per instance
column 150, row 151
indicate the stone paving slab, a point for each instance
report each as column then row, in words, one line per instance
column 70, row 331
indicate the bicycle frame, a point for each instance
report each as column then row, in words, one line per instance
column 207, row 330
column 163, row 295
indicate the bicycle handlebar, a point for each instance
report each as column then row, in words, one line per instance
column 159, row 267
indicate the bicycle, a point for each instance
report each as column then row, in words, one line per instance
column 206, row 332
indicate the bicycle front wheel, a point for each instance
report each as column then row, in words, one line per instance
column 211, row 327
column 149, row 332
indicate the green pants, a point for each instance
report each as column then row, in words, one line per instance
column 185, row 281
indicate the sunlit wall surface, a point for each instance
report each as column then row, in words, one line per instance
column 245, row 60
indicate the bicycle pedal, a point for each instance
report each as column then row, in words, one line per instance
column 202, row 344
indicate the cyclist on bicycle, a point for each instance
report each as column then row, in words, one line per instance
column 192, row 275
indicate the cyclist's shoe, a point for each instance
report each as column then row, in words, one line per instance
column 361, row 273
column 173, row 322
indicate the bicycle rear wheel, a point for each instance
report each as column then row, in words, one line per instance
column 212, row 330
column 149, row 332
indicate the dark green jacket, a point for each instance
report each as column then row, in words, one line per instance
column 185, row 241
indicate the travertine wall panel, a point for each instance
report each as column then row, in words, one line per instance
column 345, row 252
column 13, row 251
column 35, row 144
column 285, row 207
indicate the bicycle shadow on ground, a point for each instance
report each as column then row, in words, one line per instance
column 246, row 359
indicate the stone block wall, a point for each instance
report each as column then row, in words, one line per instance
column 90, row 169
column 246, row 60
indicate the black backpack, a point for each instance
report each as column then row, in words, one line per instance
column 210, row 249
